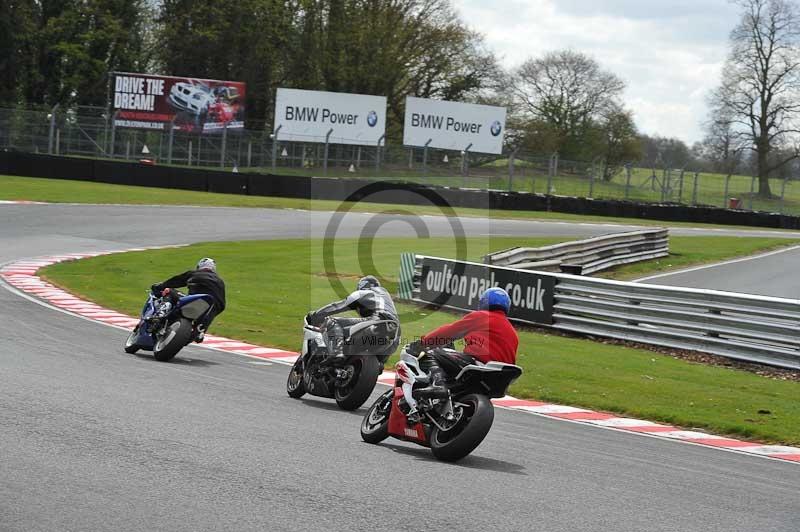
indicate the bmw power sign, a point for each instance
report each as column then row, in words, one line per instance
column 313, row 116
column 454, row 125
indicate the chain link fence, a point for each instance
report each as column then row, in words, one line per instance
column 88, row 132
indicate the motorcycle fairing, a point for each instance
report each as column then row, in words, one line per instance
column 496, row 377
column 398, row 425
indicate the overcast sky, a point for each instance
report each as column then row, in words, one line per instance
column 669, row 52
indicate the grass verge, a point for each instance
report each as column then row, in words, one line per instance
column 267, row 300
column 65, row 191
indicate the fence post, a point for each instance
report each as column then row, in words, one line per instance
column 51, row 137
column 552, row 170
column 113, row 134
column 325, row 159
column 627, row 180
column 783, row 192
column 275, row 146
column 58, row 141
column 591, row 179
column 425, row 157
column 680, row 187
column 752, row 190
column 725, row 199
column 511, row 169
column 224, row 145
column 465, row 163
column 555, row 164
column 249, row 153
column 694, row 188
column 171, row 139
column 127, row 149
column 189, row 159
column 378, row 154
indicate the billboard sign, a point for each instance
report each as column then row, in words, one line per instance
column 196, row 105
column 458, row 284
column 454, row 125
column 308, row 116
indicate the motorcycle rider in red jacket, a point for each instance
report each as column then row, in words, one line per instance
column 487, row 333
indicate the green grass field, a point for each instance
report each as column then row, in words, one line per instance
column 267, row 301
column 64, row 191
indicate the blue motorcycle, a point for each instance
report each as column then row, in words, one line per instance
column 165, row 328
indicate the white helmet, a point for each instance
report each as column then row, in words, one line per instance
column 207, row 264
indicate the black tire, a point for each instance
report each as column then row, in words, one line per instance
column 295, row 386
column 375, row 425
column 361, row 384
column 167, row 347
column 460, row 440
column 130, row 344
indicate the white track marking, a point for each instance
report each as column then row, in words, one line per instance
column 718, row 264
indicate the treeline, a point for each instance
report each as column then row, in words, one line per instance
column 61, row 51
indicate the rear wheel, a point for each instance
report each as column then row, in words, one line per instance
column 177, row 335
column 474, row 416
column 295, row 386
column 365, row 371
column 375, row 425
column 130, row 344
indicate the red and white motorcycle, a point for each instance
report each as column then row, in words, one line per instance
column 452, row 419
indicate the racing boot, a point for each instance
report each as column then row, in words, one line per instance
column 436, row 389
column 335, row 350
column 413, row 416
column 200, row 335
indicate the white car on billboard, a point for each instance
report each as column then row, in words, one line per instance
column 190, row 98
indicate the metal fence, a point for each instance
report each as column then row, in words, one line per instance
column 89, row 132
column 738, row 326
column 589, row 255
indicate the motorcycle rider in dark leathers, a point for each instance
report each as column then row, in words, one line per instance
column 373, row 303
column 202, row 280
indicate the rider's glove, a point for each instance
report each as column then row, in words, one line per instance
column 313, row 318
column 415, row 347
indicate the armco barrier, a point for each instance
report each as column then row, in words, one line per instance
column 737, row 326
column 127, row 173
column 589, row 255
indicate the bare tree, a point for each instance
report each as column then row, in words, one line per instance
column 760, row 90
column 723, row 145
column 566, row 91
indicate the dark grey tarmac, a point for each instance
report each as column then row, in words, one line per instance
column 94, row 439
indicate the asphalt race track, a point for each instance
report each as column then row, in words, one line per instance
column 94, row 439
column 773, row 274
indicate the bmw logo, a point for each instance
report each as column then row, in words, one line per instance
column 372, row 118
column 496, row 128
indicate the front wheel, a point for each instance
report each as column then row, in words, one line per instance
column 365, row 371
column 295, row 386
column 130, row 344
column 375, row 425
column 177, row 335
column 474, row 417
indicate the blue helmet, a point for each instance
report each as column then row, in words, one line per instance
column 495, row 299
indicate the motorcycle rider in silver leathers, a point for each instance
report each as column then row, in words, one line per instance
column 373, row 303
